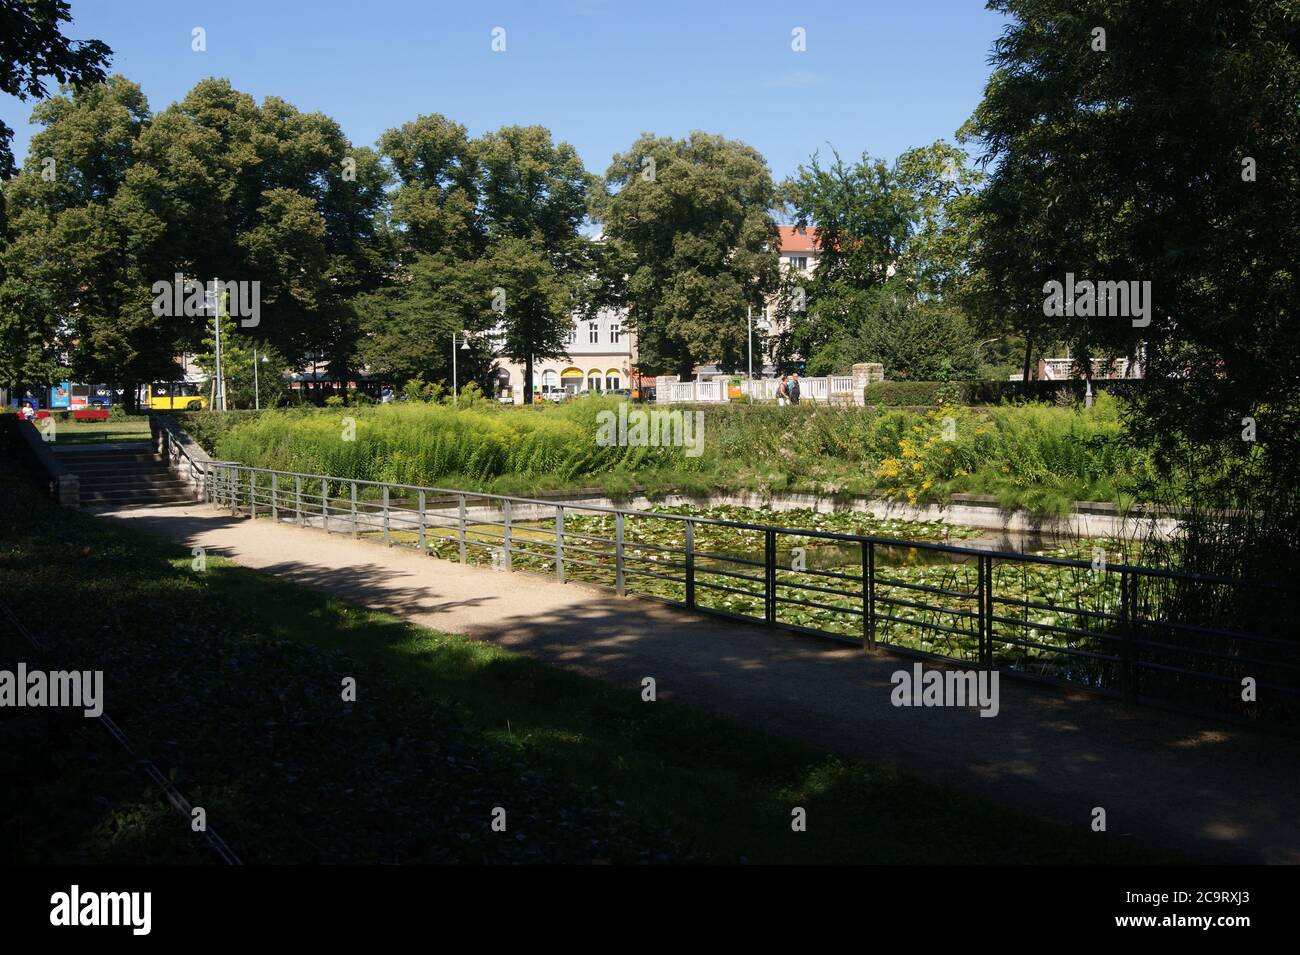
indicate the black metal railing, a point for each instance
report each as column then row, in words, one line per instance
column 1148, row 634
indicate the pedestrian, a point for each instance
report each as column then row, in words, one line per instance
column 792, row 389
column 782, row 391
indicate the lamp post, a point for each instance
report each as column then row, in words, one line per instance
column 749, row 345
column 219, row 385
column 455, row 392
column 257, row 395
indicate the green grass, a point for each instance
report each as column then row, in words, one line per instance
column 228, row 680
column 71, row 431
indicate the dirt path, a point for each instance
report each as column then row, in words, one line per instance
column 1213, row 789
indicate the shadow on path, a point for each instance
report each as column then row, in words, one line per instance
column 1215, row 790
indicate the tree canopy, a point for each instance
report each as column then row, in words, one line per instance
column 690, row 226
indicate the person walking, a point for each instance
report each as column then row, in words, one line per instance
column 783, row 391
column 792, row 389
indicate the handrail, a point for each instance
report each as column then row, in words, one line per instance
column 174, row 444
column 1106, row 634
column 744, row 525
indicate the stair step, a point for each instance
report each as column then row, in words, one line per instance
column 93, row 497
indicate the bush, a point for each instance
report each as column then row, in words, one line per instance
column 933, row 393
column 206, row 427
column 903, row 393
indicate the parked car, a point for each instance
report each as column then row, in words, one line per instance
column 554, row 394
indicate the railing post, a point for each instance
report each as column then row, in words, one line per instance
column 869, row 595
column 423, row 549
column 769, row 565
column 387, row 538
column 325, row 504
column 981, row 590
column 1128, row 673
column 252, row 494
column 505, row 537
column 690, row 564
column 619, row 582
column 460, row 532
column 297, row 497
column 354, row 510
column 275, row 508
column 559, row 543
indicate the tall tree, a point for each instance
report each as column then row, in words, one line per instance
column 533, row 202
column 1159, row 141
column 79, row 236
column 488, row 240
column 270, row 195
column 691, row 221
column 892, row 241
column 32, row 47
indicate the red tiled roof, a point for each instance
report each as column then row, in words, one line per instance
column 794, row 239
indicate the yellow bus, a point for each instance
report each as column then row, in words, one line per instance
column 176, row 396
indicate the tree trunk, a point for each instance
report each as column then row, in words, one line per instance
column 528, row 380
column 1029, row 351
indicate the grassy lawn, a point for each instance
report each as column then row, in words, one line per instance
column 133, row 428
column 228, row 680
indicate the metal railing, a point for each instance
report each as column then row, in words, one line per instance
column 174, row 447
column 1145, row 633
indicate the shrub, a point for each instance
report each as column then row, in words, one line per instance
column 896, row 393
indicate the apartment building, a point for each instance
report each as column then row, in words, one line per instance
column 601, row 357
column 799, row 255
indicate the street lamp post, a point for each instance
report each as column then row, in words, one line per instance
column 749, row 346
column 257, row 395
column 455, row 392
column 219, row 387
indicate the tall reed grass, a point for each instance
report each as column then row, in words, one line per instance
column 1040, row 456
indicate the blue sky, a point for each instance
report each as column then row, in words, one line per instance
column 876, row 76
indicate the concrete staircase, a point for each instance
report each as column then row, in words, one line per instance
column 126, row 474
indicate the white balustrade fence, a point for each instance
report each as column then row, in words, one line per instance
column 838, row 389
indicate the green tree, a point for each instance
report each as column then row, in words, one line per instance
column 1163, row 152
column 894, row 242
column 240, row 353
column 33, row 47
column 79, row 235
column 484, row 221
column 689, row 221
column 407, row 327
column 270, row 195
column 32, row 343
column 537, row 304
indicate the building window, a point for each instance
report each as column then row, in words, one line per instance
column 615, row 333
column 799, row 262
column 611, row 383
column 573, row 336
column 593, row 332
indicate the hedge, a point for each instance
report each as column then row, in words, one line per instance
column 895, row 394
